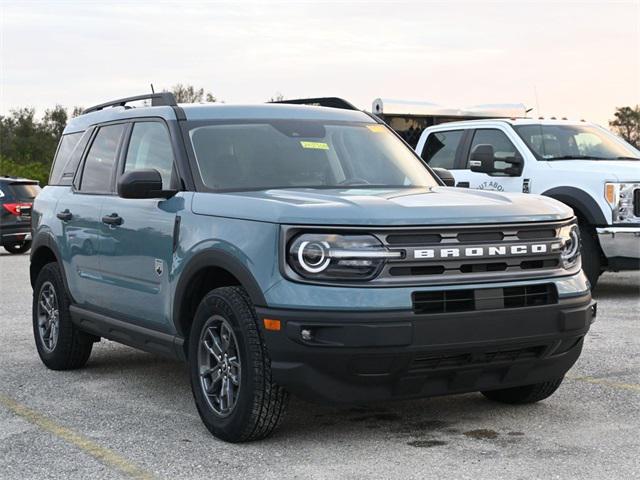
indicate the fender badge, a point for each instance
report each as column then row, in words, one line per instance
column 159, row 264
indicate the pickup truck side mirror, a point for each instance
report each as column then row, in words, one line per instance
column 143, row 183
column 446, row 176
column 483, row 160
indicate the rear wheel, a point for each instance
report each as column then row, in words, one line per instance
column 590, row 253
column 60, row 344
column 231, row 370
column 525, row 394
column 18, row 247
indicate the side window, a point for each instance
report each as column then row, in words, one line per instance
column 440, row 149
column 67, row 145
column 150, row 147
column 502, row 146
column 101, row 160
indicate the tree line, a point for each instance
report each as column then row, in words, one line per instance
column 28, row 144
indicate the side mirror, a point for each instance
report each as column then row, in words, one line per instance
column 144, row 183
column 483, row 160
column 446, row 176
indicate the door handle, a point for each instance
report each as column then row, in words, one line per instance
column 463, row 185
column 113, row 219
column 65, row 215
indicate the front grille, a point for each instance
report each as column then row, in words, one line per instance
column 636, row 202
column 468, row 300
column 441, row 255
column 432, row 361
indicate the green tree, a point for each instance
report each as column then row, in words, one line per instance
column 190, row 94
column 627, row 124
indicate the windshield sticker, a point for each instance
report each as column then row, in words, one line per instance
column 314, row 145
column 376, row 128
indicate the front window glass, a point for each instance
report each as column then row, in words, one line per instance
column 67, row 144
column 150, row 147
column 566, row 142
column 502, row 147
column 304, row 154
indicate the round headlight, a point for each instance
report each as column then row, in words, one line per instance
column 313, row 256
column 329, row 256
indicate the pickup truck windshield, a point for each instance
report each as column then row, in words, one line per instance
column 266, row 154
column 574, row 142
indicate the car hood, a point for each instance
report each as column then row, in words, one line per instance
column 407, row 206
column 608, row 170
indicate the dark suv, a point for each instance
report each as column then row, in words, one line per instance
column 288, row 248
column 16, row 200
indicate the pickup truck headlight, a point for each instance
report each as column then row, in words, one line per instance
column 569, row 245
column 337, row 257
column 619, row 196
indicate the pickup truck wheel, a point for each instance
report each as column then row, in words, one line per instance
column 590, row 254
column 18, row 247
column 230, row 369
column 525, row 394
column 60, row 344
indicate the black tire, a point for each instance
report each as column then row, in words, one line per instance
column 590, row 253
column 18, row 247
column 260, row 404
column 525, row 394
column 72, row 347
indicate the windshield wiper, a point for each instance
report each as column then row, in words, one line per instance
column 627, row 158
column 578, row 157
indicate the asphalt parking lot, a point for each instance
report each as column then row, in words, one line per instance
column 131, row 414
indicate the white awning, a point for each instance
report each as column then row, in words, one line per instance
column 405, row 107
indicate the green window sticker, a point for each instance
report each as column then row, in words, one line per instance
column 314, row 145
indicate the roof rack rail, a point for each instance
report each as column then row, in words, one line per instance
column 333, row 102
column 157, row 100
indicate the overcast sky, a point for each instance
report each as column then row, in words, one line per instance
column 582, row 58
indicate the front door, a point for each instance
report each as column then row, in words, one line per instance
column 136, row 236
column 503, row 149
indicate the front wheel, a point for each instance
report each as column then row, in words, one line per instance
column 18, row 247
column 60, row 344
column 230, row 369
column 525, row 394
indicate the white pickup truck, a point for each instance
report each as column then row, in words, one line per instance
column 579, row 163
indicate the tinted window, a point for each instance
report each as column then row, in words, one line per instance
column 150, row 147
column 440, row 149
column 23, row 191
column 67, row 145
column 502, row 146
column 65, row 167
column 101, row 159
column 305, row 154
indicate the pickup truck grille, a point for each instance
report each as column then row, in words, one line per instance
column 467, row 300
column 440, row 255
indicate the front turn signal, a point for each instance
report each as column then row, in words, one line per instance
column 270, row 324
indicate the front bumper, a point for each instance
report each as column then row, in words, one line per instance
column 621, row 246
column 381, row 355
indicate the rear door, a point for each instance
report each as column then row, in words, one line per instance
column 79, row 209
column 137, row 249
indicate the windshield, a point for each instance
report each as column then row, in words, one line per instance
column 269, row 154
column 565, row 142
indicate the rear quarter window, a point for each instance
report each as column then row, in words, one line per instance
column 23, row 192
column 67, row 158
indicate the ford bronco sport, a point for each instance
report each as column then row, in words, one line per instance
column 292, row 249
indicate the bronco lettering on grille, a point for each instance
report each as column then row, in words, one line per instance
column 453, row 252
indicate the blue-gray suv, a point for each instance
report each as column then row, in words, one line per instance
column 287, row 248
